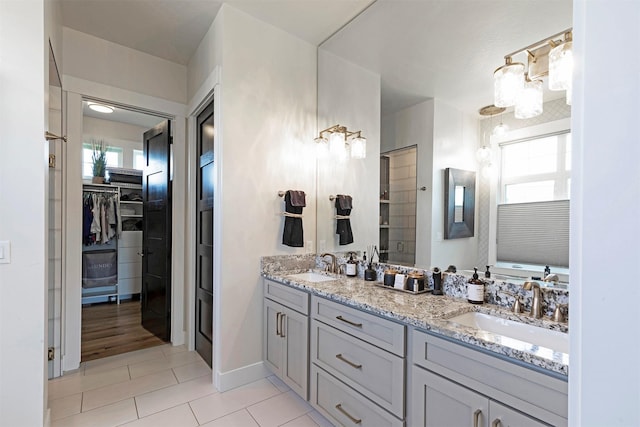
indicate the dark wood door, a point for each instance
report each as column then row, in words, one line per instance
column 204, row 234
column 156, row 234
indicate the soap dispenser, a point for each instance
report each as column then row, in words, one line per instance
column 352, row 266
column 475, row 289
column 487, row 274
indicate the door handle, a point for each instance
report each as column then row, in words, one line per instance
column 357, row 325
column 476, row 418
column 282, row 316
column 278, row 314
column 141, row 254
column 348, row 415
column 496, row 423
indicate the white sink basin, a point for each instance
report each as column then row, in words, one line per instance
column 312, row 277
column 554, row 340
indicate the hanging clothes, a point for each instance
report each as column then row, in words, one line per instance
column 344, row 204
column 293, row 234
column 101, row 220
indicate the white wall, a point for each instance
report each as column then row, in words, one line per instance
column 604, row 383
column 121, row 135
column 349, row 95
column 455, row 141
column 414, row 126
column 268, row 120
column 23, row 167
column 97, row 60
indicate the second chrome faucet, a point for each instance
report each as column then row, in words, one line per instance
column 536, row 302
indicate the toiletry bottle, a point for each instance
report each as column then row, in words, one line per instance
column 352, row 266
column 475, row 289
column 547, row 271
column 437, row 281
column 370, row 275
column 487, row 273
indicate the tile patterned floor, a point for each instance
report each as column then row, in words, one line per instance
column 170, row 386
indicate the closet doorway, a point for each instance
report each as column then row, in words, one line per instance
column 115, row 272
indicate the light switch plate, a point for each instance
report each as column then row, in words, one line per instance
column 5, row 252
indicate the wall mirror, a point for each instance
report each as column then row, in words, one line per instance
column 459, row 201
column 428, row 95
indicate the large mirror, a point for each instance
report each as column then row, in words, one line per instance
column 416, row 74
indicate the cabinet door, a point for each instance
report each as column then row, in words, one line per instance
column 273, row 342
column 295, row 332
column 503, row 416
column 438, row 402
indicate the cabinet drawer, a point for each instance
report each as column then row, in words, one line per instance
column 129, row 270
column 380, row 332
column 344, row 406
column 130, row 238
column 530, row 391
column 287, row 296
column 377, row 374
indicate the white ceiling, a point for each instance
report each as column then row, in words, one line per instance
column 172, row 29
column 421, row 48
column 446, row 50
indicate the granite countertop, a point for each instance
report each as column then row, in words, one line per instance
column 430, row 312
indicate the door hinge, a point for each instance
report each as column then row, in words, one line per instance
column 52, row 160
column 51, row 353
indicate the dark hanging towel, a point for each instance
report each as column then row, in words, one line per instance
column 294, row 203
column 343, row 227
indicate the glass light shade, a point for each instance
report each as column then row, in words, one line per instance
column 508, row 82
column 530, row 101
column 322, row 147
column 337, row 145
column 499, row 130
column 101, row 108
column 484, row 154
column 358, row 148
column 560, row 66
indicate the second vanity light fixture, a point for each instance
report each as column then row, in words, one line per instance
column 515, row 85
column 340, row 140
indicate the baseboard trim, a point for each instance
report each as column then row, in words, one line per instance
column 227, row 380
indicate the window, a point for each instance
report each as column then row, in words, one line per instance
column 138, row 159
column 114, row 159
column 532, row 213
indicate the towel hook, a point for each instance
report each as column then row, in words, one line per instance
column 281, row 193
column 332, row 197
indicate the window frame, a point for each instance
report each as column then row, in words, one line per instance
column 521, row 134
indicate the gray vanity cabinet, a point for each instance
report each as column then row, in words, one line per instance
column 443, row 403
column 357, row 366
column 455, row 385
column 286, row 335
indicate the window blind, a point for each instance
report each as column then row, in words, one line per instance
column 534, row 233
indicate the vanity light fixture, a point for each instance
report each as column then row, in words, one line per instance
column 100, row 108
column 520, row 86
column 340, row 139
column 483, row 154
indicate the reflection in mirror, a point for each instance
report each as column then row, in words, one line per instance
column 458, row 204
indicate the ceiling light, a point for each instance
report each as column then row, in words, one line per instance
column 548, row 57
column 101, row 108
column 484, row 153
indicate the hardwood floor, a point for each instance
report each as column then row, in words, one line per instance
column 109, row 329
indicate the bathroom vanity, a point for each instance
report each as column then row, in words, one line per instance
column 369, row 356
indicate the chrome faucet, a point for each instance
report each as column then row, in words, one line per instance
column 333, row 268
column 536, row 303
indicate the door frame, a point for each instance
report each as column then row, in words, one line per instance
column 76, row 89
column 209, row 91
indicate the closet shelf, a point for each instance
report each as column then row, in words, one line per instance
column 131, row 216
column 133, row 202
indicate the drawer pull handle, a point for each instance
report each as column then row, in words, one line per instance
column 476, row 418
column 358, row 325
column 278, row 314
column 348, row 415
column 496, row 423
column 282, row 324
column 348, row 362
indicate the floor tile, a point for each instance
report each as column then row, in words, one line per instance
column 65, row 406
column 101, row 365
column 106, row 416
column 192, row 370
column 76, row 384
column 180, row 416
column 168, row 397
column 303, row 421
column 113, row 393
column 69, row 374
column 165, row 362
column 220, row 404
column 240, row 418
column 171, row 349
column 279, row 409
